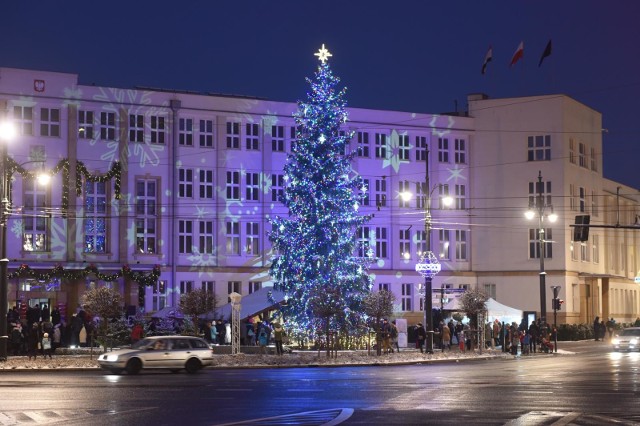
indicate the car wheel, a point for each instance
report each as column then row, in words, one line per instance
column 193, row 365
column 134, row 366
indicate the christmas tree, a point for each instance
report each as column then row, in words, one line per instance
column 315, row 261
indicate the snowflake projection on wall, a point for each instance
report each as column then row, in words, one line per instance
column 140, row 102
column 17, row 229
column 203, row 263
column 72, row 96
column 393, row 152
column 441, row 125
column 268, row 120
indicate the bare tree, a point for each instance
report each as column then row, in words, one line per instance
column 379, row 305
column 197, row 303
column 474, row 302
column 106, row 303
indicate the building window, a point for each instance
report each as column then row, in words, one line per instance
column 277, row 138
column 277, row 187
column 185, row 132
column 573, row 198
column 460, row 151
column 584, row 252
column 146, row 216
column 95, row 220
column 364, row 192
column 421, row 242
column 539, row 148
column 136, row 128
column 159, row 299
column 403, row 189
column 537, row 188
column 158, row 129
column 252, row 236
column 443, row 192
column 233, row 237
column 490, row 290
column 363, row 144
column 582, row 200
column 534, row 244
column 381, row 242
column 582, row 155
column 595, row 244
column 50, row 122
column 185, row 183
column 206, row 184
column 381, row 193
column 85, row 124
column 421, row 148
column 252, row 186
column 205, row 237
column 594, row 203
column 384, row 286
column 594, row 160
column 186, row 287
column 185, row 236
column 403, row 147
column 461, row 245
column 206, row 134
column 233, row 185
column 35, row 225
column 233, row 135
column 292, row 138
column 572, row 151
column 364, row 242
column 209, row 287
column 405, row 243
column 234, row 287
column 381, row 145
column 254, row 286
column 444, row 243
column 405, row 300
column 251, row 137
column 574, row 253
column 108, row 126
column 461, row 197
column 443, row 150
column 23, row 120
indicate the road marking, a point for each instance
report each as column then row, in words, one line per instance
column 330, row 417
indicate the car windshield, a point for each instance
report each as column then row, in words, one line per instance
column 142, row 343
column 631, row 332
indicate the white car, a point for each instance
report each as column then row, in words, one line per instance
column 627, row 340
column 169, row 352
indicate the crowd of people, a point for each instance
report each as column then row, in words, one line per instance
column 252, row 333
column 42, row 331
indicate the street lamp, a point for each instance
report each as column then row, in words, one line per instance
column 428, row 266
column 7, row 132
column 544, row 211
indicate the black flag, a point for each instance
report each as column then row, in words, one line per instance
column 547, row 52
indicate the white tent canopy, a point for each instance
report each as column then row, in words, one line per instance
column 495, row 310
column 250, row 305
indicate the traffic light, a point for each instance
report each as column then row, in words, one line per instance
column 581, row 232
column 556, row 304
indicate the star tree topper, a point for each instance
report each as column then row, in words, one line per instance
column 323, row 54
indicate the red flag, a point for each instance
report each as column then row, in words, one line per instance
column 487, row 58
column 518, row 54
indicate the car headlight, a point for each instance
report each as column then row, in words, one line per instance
column 616, row 341
column 108, row 358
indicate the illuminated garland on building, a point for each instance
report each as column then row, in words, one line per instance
column 142, row 278
column 114, row 173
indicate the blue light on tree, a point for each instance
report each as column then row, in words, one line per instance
column 315, row 263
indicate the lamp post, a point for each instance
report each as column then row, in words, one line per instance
column 428, row 265
column 7, row 132
column 540, row 207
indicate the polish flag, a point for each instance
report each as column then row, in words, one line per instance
column 518, row 54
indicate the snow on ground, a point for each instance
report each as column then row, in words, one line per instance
column 297, row 358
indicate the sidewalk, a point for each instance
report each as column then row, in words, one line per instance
column 296, row 359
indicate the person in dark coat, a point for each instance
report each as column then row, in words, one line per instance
column 55, row 316
column 45, row 313
column 421, row 336
column 596, row 328
column 33, row 339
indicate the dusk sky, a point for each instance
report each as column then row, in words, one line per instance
column 418, row 56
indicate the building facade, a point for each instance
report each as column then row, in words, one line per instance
column 199, row 175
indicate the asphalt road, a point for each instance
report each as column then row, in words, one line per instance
column 592, row 387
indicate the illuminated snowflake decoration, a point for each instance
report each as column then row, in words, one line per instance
column 393, row 152
column 428, row 266
column 202, row 262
